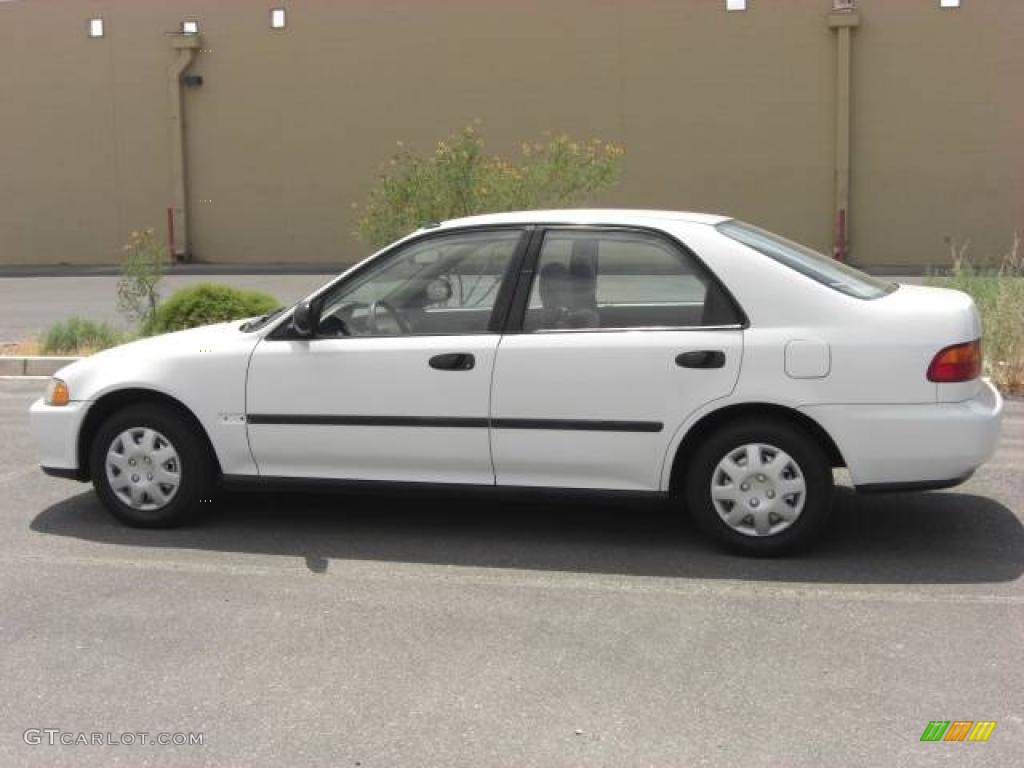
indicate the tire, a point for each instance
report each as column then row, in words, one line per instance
column 129, row 486
column 779, row 507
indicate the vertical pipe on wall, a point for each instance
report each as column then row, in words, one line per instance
column 843, row 22
column 185, row 47
column 170, row 232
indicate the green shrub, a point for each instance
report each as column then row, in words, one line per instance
column 78, row 336
column 999, row 294
column 459, row 179
column 206, row 303
column 141, row 271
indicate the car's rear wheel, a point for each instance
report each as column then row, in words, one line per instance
column 149, row 467
column 760, row 487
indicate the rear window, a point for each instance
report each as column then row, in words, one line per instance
column 808, row 262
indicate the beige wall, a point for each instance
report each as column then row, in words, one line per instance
column 730, row 112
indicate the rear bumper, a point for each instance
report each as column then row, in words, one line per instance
column 914, row 447
column 55, row 431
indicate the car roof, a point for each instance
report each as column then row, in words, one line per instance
column 607, row 216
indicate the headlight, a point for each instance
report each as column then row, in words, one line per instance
column 56, row 393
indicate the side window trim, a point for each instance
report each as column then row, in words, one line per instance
column 641, row 329
column 521, row 299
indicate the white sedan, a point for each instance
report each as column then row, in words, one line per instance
column 676, row 354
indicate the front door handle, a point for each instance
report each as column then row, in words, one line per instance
column 702, row 358
column 453, row 361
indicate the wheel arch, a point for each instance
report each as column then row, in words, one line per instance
column 111, row 402
column 709, row 422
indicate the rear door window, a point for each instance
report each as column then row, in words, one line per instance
column 595, row 280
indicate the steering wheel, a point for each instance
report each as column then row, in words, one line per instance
column 372, row 312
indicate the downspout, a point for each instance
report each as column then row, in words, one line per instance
column 843, row 20
column 185, row 47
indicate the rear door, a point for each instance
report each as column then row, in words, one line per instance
column 620, row 335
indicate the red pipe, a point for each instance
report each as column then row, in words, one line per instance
column 839, row 249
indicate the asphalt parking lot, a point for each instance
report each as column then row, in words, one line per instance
column 384, row 630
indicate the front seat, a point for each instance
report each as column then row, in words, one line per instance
column 583, row 311
column 555, row 296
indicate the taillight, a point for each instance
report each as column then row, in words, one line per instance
column 960, row 362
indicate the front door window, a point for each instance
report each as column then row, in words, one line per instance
column 440, row 286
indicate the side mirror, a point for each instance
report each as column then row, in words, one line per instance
column 302, row 319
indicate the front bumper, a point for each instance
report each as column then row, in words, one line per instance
column 914, row 447
column 55, row 431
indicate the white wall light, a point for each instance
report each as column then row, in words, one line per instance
column 95, row 27
column 190, row 27
column 278, row 18
column 735, row 5
column 949, row 3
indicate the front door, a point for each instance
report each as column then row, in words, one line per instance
column 623, row 336
column 395, row 383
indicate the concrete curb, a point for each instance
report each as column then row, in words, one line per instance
column 31, row 365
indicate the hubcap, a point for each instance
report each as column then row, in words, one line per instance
column 758, row 490
column 143, row 469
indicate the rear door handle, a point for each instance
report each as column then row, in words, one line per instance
column 702, row 358
column 453, row 361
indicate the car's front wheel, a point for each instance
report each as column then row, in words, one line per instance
column 149, row 467
column 762, row 487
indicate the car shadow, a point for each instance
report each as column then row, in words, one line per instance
column 926, row 538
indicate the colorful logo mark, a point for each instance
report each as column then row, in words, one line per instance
column 958, row 730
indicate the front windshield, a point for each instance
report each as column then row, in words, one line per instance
column 827, row 271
